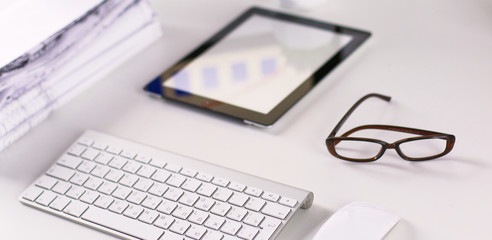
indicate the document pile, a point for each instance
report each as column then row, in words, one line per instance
column 51, row 50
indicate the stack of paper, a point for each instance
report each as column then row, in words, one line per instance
column 51, row 50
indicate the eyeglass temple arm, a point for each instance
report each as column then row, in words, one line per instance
column 345, row 117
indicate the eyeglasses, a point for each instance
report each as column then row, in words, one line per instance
column 429, row 145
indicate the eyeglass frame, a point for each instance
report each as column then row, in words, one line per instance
column 331, row 141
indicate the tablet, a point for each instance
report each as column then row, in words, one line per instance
column 259, row 65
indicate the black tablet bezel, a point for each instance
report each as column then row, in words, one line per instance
column 358, row 37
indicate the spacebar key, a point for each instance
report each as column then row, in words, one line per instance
column 121, row 224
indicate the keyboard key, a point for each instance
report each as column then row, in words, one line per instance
column 237, row 186
column 182, row 212
column 122, row 224
column 76, row 208
column 143, row 158
column 93, row 183
column 179, row 226
column 270, row 196
column 247, row 232
column 114, row 150
column 46, row 182
column 172, row 167
column 61, row 187
column 60, row 172
column 114, row 175
column 121, row 192
column 89, row 197
column 176, row 180
column 45, row 198
column 146, row 171
column 237, row 214
column 204, row 203
column 151, row 202
column 128, row 154
column 253, row 191
column 198, row 217
column 196, row 232
column 206, row 189
column 136, row 197
column 132, row 167
column 90, row 154
column 128, row 180
column 275, row 210
column 158, row 189
column 188, row 172
column 158, row 163
column 289, row 202
column 79, row 178
column 172, row 236
column 100, row 171
column 117, row 162
column 191, row 185
column 118, row 206
column 269, row 226
column 85, row 141
column 220, row 181
column 100, row 145
column 164, row 221
column 107, row 188
column 188, row 199
column 148, row 216
column 254, row 219
column 230, row 227
column 86, row 166
column 104, row 201
column 220, row 208
column 167, row 207
column 76, row 150
column 204, row 177
column 60, row 203
column 255, row 204
column 133, row 211
column 143, row 184
column 214, row 222
column 229, row 237
column 104, row 158
column 69, row 161
column 173, row 194
column 238, row 199
column 75, row 192
column 222, row 194
column 210, row 235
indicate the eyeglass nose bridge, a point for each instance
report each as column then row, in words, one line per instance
column 391, row 145
column 395, row 145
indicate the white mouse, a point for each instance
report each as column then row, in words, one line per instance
column 356, row 221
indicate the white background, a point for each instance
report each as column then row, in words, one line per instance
column 432, row 56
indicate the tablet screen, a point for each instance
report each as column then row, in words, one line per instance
column 259, row 63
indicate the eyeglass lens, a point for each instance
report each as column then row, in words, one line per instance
column 423, row 148
column 358, row 149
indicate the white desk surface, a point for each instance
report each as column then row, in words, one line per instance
column 433, row 57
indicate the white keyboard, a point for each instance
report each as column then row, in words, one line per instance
column 137, row 192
